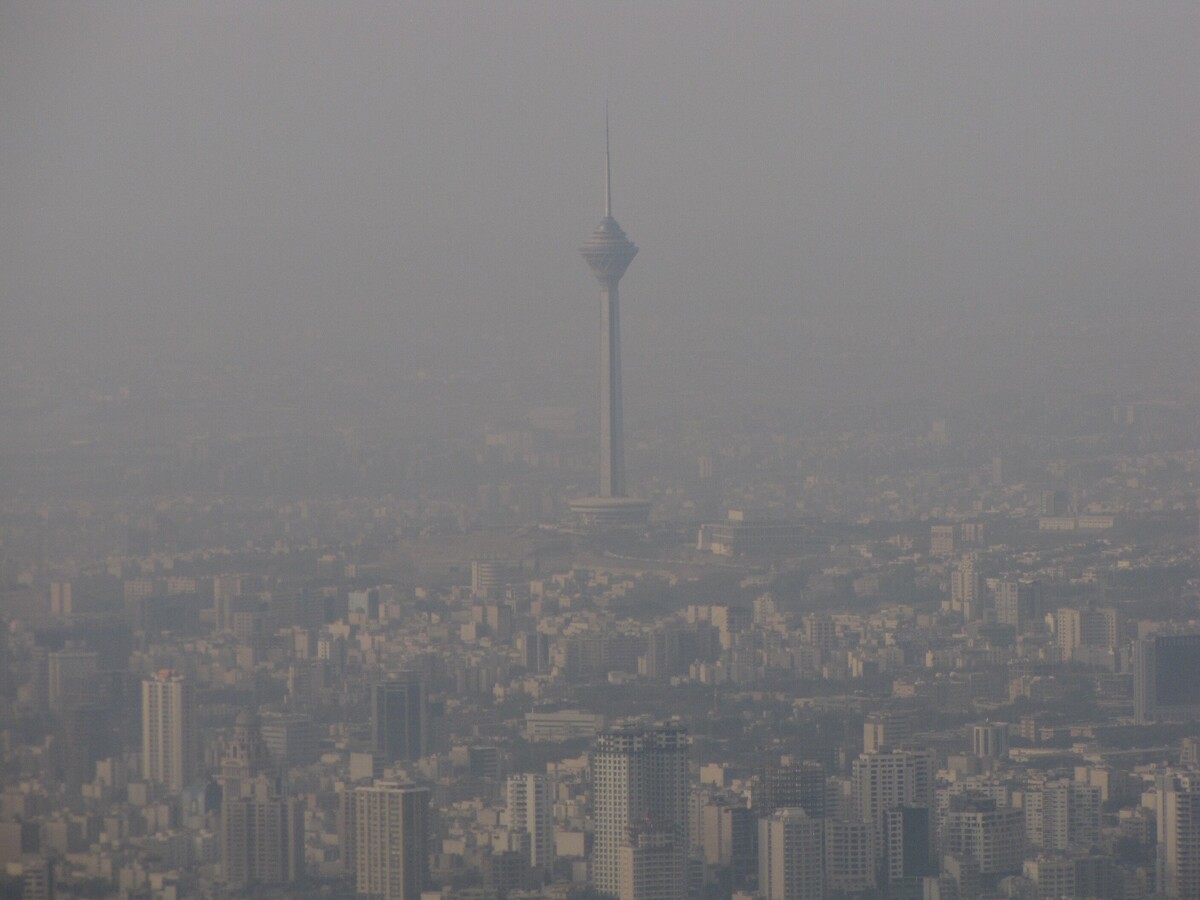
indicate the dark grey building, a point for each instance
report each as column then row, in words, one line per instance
column 400, row 717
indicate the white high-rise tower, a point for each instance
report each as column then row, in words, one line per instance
column 391, row 823
column 530, row 807
column 640, row 795
column 169, row 751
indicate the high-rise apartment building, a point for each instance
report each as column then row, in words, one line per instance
column 245, row 756
column 61, row 602
column 1016, row 603
column 391, row 822
column 908, row 843
column 886, row 731
column 530, row 807
column 1062, row 815
column 400, row 717
column 650, row 863
column 1166, row 677
column 639, row 777
column 1076, row 628
column 821, row 631
column 37, row 879
column 966, row 589
column 791, row 856
column 941, row 540
column 990, row 740
column 1075, row 875
column 793, row 783
column 534, row 648
column 1178, row 837
column 262, row 832
column 169, row 746
column 262, row 840
column 292, row 739
column 87, row 737
column 850, row 856
column 990, row 834
column 489, row 576
column 727, row 832
column 884, row 781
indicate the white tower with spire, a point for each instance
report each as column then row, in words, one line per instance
column 608, row 252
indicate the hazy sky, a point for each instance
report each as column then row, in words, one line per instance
column 263, row 178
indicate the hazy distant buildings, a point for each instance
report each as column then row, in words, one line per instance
column 743, row 535
column 1054, row 503
column 72, row 675
column 489, row 576
column 941, row 540
column 169, row 745
column 61, row 599
column 562, row 725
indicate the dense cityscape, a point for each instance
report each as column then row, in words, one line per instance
column 856, row 664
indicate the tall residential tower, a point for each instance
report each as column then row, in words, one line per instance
column 391, row 823
column 608, row 252
column 640, row 791
column 169, row 748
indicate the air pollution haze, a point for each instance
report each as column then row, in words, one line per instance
column 834, row 201
column 858, row 558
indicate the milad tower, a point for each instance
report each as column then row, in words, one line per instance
column 608, row 252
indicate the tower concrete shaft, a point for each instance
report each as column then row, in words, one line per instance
column 612, row 428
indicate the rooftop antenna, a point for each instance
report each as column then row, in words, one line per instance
column 607, row 169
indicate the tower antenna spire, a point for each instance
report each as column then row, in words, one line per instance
column 607, row 168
